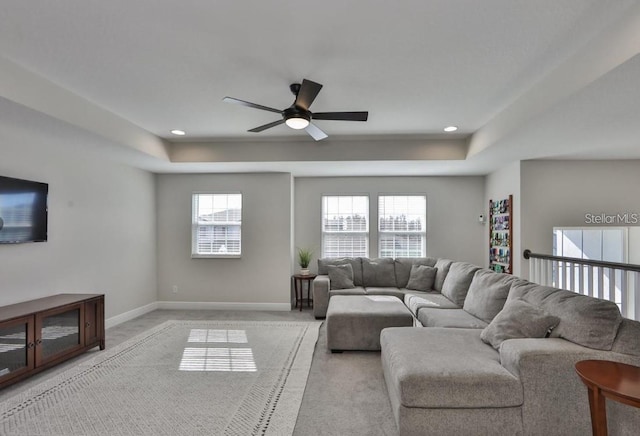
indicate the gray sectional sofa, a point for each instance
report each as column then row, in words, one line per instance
column 490, row 354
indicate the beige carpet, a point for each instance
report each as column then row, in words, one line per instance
column 180, row 378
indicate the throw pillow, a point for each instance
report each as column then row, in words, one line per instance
column 518, row 319
column 340, row 276
column 355, row 262
column 422, row 278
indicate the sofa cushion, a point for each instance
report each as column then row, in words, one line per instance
column 356, row 264
column 353, row 291
column 378, row 272
column 487, row 294
column 391, row 291
column 517, row 320
column 415, row 302
column 456, row 283
column 446, row 368
column 340, row 276
column 584, row 320
column 402, row 266
column 421, row 278
column 458, row 318
column 442, row 265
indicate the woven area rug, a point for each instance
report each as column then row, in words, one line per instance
column 180, row 378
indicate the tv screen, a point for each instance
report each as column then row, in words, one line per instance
column 23, row 211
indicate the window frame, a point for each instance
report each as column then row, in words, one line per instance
column 422, row 233
column 366, row 232
column 195, row 226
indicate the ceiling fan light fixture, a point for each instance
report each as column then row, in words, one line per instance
column 297, row 123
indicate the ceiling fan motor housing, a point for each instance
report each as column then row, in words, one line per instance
column 296, row 112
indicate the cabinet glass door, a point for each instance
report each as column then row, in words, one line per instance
column 59, row 333
column 16, row 347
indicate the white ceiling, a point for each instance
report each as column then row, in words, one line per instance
column 522, row 79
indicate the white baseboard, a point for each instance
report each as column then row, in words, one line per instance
column 127, row 316
column 208, row 305
column 192, row 305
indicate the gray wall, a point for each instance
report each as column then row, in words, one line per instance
column 101, row 217
column 261, row 275
column 499, row 185
column 453, row 206
column 560, row 193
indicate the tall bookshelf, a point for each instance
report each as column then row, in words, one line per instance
column 501, row 235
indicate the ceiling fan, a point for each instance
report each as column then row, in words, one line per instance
column 298, row 116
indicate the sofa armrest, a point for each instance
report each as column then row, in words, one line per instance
column 321, row 288
column 553, row 390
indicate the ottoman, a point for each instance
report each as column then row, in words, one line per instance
column 354, row 322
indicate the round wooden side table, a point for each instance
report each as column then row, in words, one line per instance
column 604, row 379
column 298, row 280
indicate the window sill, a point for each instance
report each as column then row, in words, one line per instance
column 216, row 256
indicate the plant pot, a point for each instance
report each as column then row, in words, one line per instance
column 304, row 271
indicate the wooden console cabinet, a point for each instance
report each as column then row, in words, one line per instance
column 37, row 334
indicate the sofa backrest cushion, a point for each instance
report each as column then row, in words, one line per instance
column 442, row 265
column 584, row 320
column 456, row 283
column 378, row 272
column 403, row 266
column 356, row 264
column 628, row 338
column 487, row 294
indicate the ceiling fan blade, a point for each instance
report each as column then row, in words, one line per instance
column 308, row 92
column 315, row 132
column 267, row 126
column 341, row 116
column 249, row 104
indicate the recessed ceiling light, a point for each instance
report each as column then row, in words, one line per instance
column 451, row 128
column 178, row 132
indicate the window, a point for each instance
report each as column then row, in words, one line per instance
column 345, row 226
column 608, row 244
column 402, row 229
column 216, row 225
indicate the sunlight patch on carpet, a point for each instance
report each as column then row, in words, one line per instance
column 218, row 359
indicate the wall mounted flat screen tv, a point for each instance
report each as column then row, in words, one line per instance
column 23, row 211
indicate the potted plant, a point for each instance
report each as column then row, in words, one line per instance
column 304, row 259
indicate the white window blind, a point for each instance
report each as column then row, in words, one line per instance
column 216, row 225
column 402, row 225
column 345, row 226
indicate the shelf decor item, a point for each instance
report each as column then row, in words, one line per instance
column 501, row 235
column 304, row 259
